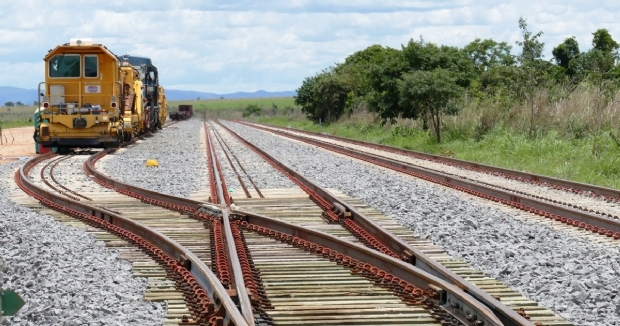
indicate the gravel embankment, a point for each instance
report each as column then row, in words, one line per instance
column 575, row 277
column 180, row 153
column 63, row 274
column 591, row 202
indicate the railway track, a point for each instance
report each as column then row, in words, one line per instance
column 301, row 267
column 111, row 208
column 583, row 206
column 301, row 210
column 171, row 249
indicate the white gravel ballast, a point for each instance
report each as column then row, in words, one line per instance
column 575, row 277
column 180, row 152
column 63, row 274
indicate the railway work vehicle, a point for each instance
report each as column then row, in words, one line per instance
column 185, row 111
column 92, row 98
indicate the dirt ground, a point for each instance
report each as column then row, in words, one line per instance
column 16, row 142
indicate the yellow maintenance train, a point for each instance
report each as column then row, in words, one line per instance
column 92, row 98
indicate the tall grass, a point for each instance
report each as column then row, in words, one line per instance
column 16, row 116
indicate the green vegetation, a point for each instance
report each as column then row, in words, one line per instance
column 238, row 108
column 16, row 116
column 557, row 117
column 594, row 159
column 236, row 104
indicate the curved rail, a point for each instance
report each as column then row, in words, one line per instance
column 199, row 270
column 414, row 274
column 451, row 297
column 409, row 253
column 184, row 205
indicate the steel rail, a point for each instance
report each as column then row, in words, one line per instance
column 203, row 275
column 62, row 186
column 601, row 191
column 548, row 209
column 225, row 146
column 510, row 316
column 455, row 297
column 47, row 183
column 409, row 253
column 89, row 166
column 242, row 293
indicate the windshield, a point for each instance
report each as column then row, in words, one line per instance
column 65, row 65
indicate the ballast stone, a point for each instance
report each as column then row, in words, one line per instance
column 63, row 273
column 430, row 209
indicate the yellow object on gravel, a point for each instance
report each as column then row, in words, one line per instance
column 152, row 162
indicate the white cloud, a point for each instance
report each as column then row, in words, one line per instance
column 272, row 45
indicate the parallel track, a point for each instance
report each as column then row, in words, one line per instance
column 293, row 274
column 552, row 208
column 298, row 214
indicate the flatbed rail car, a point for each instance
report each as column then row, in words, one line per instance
column 185, row 111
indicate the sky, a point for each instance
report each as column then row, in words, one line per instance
column 230, row 46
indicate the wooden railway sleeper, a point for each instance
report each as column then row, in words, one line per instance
column 376, row 161
column 430, row 299
column 170, row 265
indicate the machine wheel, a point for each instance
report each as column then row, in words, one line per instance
column 126, row 137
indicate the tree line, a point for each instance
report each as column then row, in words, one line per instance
column 18, row 103
column 424, row 81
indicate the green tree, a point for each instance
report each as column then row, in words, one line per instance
column 306, row 96
column 19, row 103
column 489, row 53
column 324, row 96
column 431, row 93
column 603, row 41
column 383, row 97
column 355, row 71
column 564, row 53
column 598, row 66
column 421, row 55
column 252, row 109
column 531, row 73
column 9, row 104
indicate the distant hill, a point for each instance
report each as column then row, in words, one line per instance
column 14, row 94
column 28, row 96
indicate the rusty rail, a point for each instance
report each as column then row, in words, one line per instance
column 169, row 251
column 222, row 196
column 573, row 186
column 405, row 251
column 385, row 268
column 568, row 215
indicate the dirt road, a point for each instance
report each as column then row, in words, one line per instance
column 16, row 142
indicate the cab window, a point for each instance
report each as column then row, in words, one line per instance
column 91, row 66
column 65, row 65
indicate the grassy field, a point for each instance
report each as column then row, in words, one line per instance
column 239, row 104
column 594, row 159
column 16, row 116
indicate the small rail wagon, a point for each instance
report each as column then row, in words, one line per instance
column 185, row 111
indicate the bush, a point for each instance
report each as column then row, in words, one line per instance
column 252, row 109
